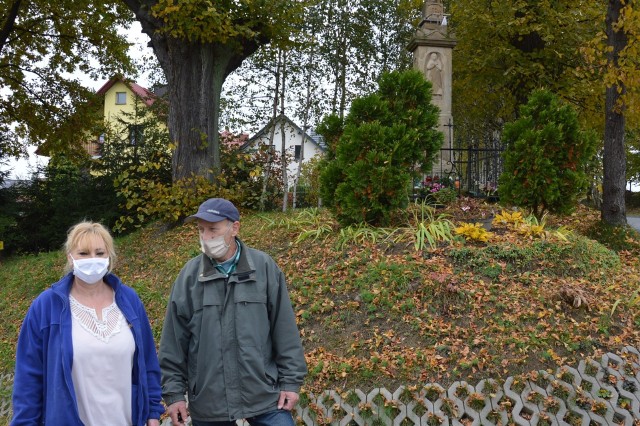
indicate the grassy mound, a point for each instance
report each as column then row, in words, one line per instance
column 375, row 312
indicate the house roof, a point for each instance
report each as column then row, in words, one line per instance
column 311, row 134
column 146, row 95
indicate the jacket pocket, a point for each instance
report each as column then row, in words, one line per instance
column 252, row 320
column 256, row 376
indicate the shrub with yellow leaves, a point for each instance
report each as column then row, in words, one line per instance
column 508, row 218
column 473, row 232
column 531, row 227
column 531, row 230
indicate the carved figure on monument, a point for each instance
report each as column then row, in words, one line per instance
column 433, row 71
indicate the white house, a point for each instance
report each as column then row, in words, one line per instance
column 294, row 140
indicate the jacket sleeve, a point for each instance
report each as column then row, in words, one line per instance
column 174, row 346
column 287, row 346
column 153, row 368
column 28, row 386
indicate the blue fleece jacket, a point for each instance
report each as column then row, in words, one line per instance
column 43, row 390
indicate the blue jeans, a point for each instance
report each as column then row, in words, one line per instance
column 272, row 418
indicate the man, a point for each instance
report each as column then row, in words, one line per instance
column 230, row 339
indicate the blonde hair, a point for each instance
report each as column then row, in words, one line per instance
column 78, row 234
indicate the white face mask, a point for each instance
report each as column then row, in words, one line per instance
column 215, row 248
column 90, row 270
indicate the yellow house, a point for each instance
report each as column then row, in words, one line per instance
column 123, row 100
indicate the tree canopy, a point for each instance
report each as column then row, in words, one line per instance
column 508, row 49
column 43, row 44
column 343, row 49
column 198, row 44
column 504, row 51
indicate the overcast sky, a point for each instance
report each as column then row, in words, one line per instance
column 23, row 168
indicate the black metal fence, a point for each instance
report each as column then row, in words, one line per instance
column 472, row 168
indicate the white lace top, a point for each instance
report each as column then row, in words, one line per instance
column 102, row 363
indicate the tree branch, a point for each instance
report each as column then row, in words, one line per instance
column 7, row 26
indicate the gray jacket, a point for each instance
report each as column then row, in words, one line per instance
column 231, row 343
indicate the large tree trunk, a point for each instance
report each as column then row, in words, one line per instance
column 614, row 159
column 195, row 73
column 195, row 85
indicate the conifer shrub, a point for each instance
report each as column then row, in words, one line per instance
column 546, row 156
column 56, row 197
column 373, row 152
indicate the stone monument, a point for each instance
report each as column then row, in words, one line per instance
column 432, row 48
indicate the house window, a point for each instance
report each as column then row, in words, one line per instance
column 296, row 152
column 121, row 98
column 136, row 134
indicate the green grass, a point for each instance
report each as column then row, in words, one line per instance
column 374, row 313
column 577, row 258
column 615, row 238
column 22, row 280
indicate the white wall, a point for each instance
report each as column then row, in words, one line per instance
column 293, row 137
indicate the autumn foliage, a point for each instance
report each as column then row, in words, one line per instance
column 376, row 312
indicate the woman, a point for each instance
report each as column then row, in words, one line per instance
column 86, row 354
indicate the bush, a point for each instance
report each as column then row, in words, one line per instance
column 309, row 186
column 240, row 180
column 47, row 206
column 632, row 199
column 545, row 157
column 384, row 135
column 9, row 213
column 138, row 145
column 473, row 232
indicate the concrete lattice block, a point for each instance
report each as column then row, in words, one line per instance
column 594, row 393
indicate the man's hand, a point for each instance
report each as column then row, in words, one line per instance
column 178, row 413
column 287, row 400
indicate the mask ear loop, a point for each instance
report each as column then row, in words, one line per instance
column 226, row 232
